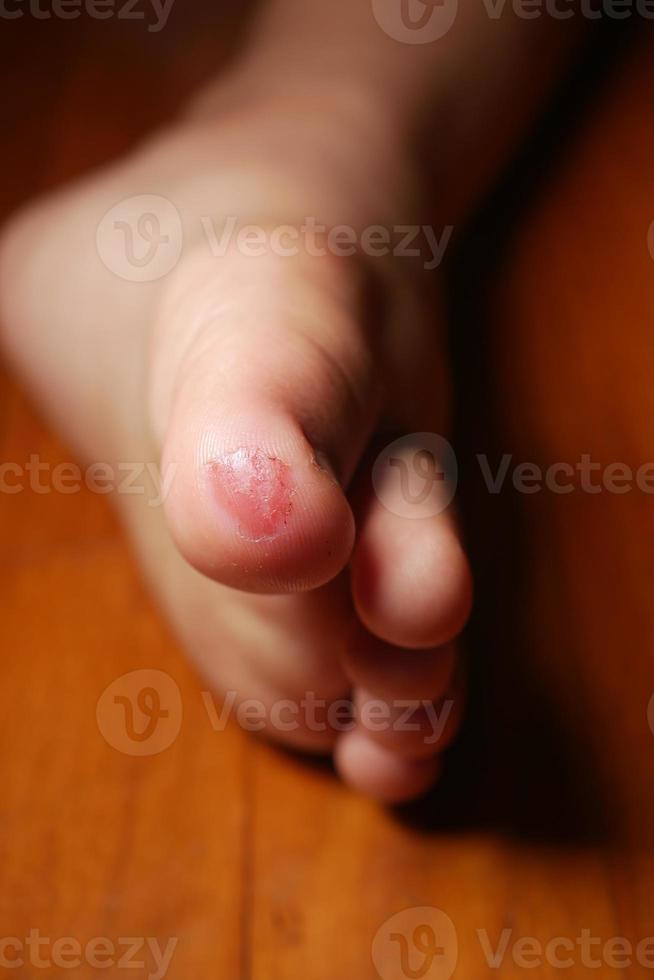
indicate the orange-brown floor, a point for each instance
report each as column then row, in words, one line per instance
column 262, row 866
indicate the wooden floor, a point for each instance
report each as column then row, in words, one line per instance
column 260, row 865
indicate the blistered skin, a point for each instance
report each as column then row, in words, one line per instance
column 255, row 489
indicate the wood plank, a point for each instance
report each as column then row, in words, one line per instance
column 263, row 866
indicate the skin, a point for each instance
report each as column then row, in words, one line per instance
column 263, row 384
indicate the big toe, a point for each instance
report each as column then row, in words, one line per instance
column 263, row 396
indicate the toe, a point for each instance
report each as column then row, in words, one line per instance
column 263, row 396
column 375, row 771
column 393, row 672
column 410, row 728
column 411, row 581
column 412, row 591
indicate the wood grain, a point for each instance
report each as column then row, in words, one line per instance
column 264, row 867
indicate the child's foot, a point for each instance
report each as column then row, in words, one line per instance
column 261, row 384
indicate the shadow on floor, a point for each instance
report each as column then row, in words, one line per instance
column 516, row 769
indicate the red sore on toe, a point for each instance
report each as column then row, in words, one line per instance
column 255, row 489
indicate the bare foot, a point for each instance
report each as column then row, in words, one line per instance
column 261, row 385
